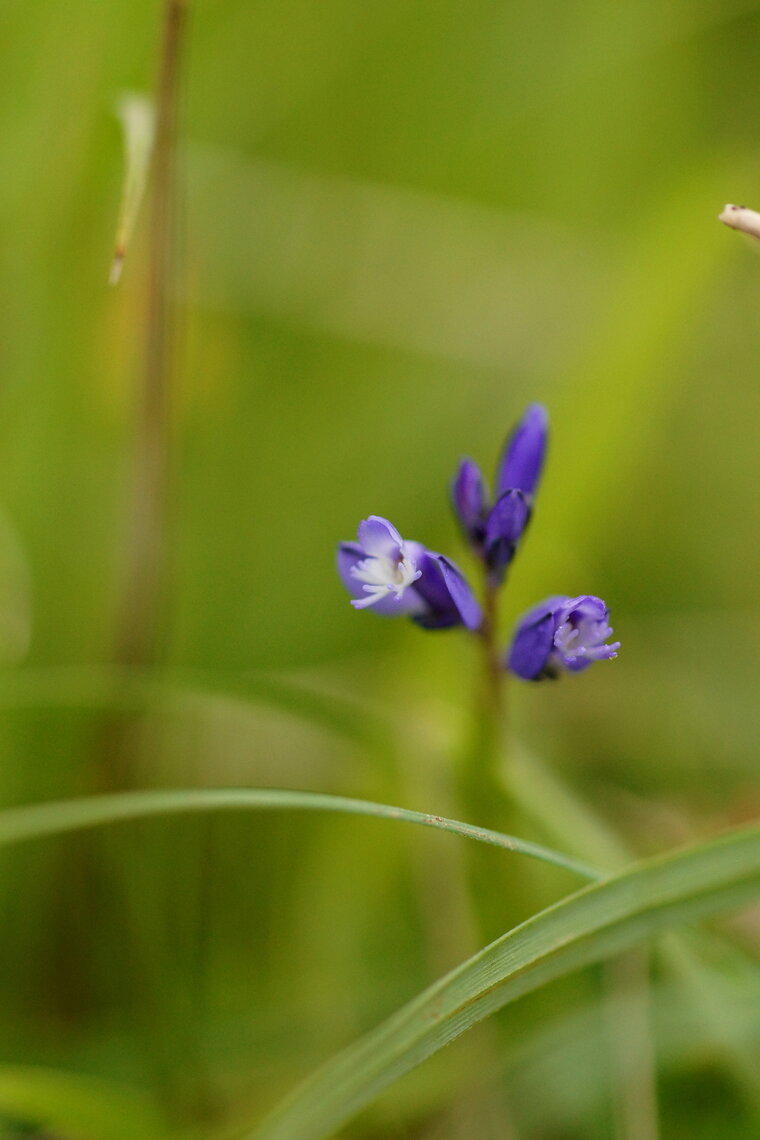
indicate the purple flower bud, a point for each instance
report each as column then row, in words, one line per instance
column 397, row 577
column 523, row 458
column 494, row 531
column 561, row 633
column 504, row 528
column 469, row 496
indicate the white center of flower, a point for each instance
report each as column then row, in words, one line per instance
column 382, row 576
column 579, row 640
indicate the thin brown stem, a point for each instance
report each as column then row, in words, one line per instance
column 139, row 618
column 141, row 604
column 109, row 763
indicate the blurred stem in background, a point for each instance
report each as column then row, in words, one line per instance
column 141, row 605
column 117, row 892
column 139, row 619
column 634, row 1063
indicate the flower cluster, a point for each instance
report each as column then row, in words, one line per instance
column 394, row 576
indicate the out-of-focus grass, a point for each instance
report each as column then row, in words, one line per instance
column 402, row 224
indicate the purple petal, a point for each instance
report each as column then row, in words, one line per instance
column 380, row 538
column 523, row 459
column 461, row 594
column 349, row 553
column 533, row 640
column 506, row 523
column 448, row 599
column 410, row 605
column 470, row 499
column 440, row 611
column 585, row 605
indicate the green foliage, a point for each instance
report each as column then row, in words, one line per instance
column 401, row 223
column 599, row 922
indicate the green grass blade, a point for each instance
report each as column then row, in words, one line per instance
column 39, row 820
column 590, row 926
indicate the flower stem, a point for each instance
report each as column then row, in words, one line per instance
column 493, row 673
column 481, row 789
column 482, row 799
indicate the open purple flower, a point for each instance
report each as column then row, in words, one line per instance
column 396, row 577
column 561, row 633
column 494, row 529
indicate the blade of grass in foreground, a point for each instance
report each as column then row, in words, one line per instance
column 596, row 923
column 40, row 820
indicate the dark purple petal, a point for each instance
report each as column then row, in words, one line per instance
column 506, row 523
column 533, row 640
column 470, row 499
column 523, row 459
column 448, row 599
column 461, row 594
column 379, row 538
column 440, row 612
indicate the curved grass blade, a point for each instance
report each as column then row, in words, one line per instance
column 39, row 820
column 596, row 923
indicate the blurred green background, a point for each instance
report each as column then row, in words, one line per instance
column 402, row 222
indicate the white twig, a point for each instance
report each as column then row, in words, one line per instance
column 740, row 218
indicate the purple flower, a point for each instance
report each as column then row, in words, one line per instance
column 494, row 530
column 561, row 633
column 397, row 577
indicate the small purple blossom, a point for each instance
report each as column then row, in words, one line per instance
column 398, row 577
column 561, row 633
column 493, row 530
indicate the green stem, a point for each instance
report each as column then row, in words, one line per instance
column 481, row 789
